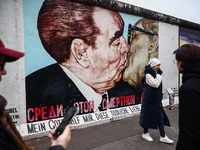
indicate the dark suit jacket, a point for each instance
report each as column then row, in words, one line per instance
column 50, row 86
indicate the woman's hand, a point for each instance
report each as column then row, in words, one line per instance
column 160, row 71
column 63, row 139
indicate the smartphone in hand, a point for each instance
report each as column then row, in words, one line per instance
column 71, row 112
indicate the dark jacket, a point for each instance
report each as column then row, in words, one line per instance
column 10, row 138
column 50, row 86
column 8, row 142
column 151, row 104
column 189, row 109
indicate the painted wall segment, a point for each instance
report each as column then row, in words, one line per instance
column 92, row 61
column 123, row 99
column 189, row 36
column 90, row 51
column 80, row 121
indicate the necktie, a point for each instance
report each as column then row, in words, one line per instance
column 103, row 105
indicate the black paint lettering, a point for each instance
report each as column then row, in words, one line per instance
column 88, row 118
column 31, row 128
column 119, row 112
column 12, row 110
column 75, row 120
column 53, row 123
column 132, row 109
column 14, row 116
column 34, row 128
column 137, row 108
column 101, row 116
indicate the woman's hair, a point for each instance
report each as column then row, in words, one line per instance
column 187, row 54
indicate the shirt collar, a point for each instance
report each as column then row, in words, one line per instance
column 86, row 90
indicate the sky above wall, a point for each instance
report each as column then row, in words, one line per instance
column 184, row 9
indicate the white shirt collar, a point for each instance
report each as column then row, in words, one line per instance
column 86, row 90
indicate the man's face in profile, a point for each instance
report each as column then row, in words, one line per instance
column 143, row 46
column 110, row 52
column 141, row 41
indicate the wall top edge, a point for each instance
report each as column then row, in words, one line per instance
column 135, row 10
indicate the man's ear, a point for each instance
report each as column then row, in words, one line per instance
column 79, row 51
column 154, row 45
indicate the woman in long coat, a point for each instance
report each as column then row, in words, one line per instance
column 152, row 112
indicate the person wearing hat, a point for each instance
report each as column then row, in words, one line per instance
column 10, row 138
column 152, row 113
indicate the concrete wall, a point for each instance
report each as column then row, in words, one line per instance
column 168, row 42
column 12, row 86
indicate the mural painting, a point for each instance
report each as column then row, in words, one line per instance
column 143, row 39
column 189, row 36
column 91, row 65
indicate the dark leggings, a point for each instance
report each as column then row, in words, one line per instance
column 160, row 125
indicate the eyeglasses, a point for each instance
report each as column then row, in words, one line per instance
column 131, row 28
